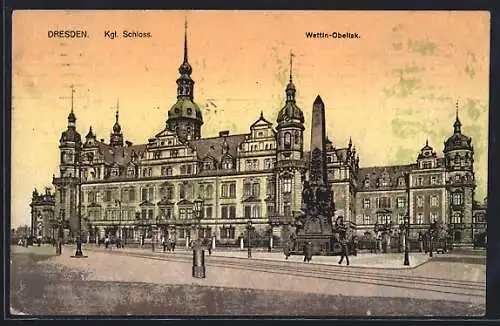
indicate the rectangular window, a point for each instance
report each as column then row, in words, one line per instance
column 256, row 189
column 384, row 202
column 247, row 189
column 366, row 203
column 420, row 181
column 433, row 217
column 208, row 212
column 256, row 211
column 224, row 191
column 108, row 195
column 144, row 214
column 433, row 180
column 420, row 201
column 271, row 188
column 151, row 194
column 420, row 218
column 144, row 194
column 457, row 198
column 150, row 214
column 131, row 194
column 232, row 211
column 248, row 212
column 189, row 213
column 287, row 210
column 287, row 185
column 434, row 201
column 366, row 219
column 201, row 191
column 232, row 190
column 401, row 218
column 224, row 212
column 182, row 233
column 401, row 202
column 270, row 210
column 456, row 217
column 182, row 213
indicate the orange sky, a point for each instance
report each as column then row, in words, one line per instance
column 390, row 89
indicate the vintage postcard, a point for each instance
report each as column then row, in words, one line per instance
column 249, row 163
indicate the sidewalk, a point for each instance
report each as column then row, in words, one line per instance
column 363, row 260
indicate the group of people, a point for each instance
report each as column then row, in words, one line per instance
column 168, row 244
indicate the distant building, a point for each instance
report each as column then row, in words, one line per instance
column 42, row 214
column 254, row 176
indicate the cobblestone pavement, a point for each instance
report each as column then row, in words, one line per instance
column 449, row 285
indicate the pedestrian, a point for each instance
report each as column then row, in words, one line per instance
column 305, row 251
column 106, row 242
column 420, row 241
column 355, row 245
column 286, row 249
column 343, row 243
column 309, row 251
column 173, row 245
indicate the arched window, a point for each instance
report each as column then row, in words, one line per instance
column 287, row 140
column 297, row 137
column 182, row 191
column 367, row 183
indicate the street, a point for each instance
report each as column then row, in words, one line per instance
column 141, row 282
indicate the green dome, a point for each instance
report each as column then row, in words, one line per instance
column 185, row 108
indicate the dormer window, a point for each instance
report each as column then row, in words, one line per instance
column 227, row 164
column 189, row 111
column 367, row 183
column 401, row 181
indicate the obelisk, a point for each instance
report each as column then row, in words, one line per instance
column 317, row 173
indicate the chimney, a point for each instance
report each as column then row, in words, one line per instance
column 224, row 133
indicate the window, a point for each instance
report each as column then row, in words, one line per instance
column 182, row 191
column 232, row 211
column 271, row 188
column 366, row 219
column 224, row 190
column 174, row 153
column 457, row 198
column 208, row 212
column 433, row 180
column 366, row 203
column 189, row 170
column 227, row 232
column 224, row 212
column 420, row 218
column 150, row 214
column 232, row 190
column 287, row 141
column 92, row 197
column 367, row 183
column 166, row 170
column 267, row 163
column 297, row 137
column 456, row 217
column 108, row 195
column 131, row 194
column 247, row 187
column 227, row 164
column 201, row 191
column 248, row 211
column 420, row 201
column 256, row 189
column 270, row 210
column 182, row 233
column 182, row 213
column 401, row 202
column 401, row 181
column 401, row 217
column 287, row 185
column 384, row 182
column 287, row 210
column 426, row 165
column 434, row 201
column 384, row 202
column 255, row 211
column 183, row 169
column 420, row 181
column 433, row 217
column 457, row 178
column 209, row 189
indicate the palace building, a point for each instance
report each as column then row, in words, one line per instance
column 135, row 189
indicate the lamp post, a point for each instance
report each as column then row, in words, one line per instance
column 405, row 229
column 432, row 229
column 249, row 237
column 118, row 203
column 78, row 167
column 198, row 252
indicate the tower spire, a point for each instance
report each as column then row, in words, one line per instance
column 117, row 109
column 72, row 97
column 457, row 125
column 71, row 116
column 185, row 41
column 291, row 64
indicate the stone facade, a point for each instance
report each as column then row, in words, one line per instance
column 42, row 214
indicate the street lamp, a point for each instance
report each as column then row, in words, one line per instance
column 198, row 252
column 432, row 229
column 78, row 167
column 119, row 204
column 405, row 230
column 249, row 228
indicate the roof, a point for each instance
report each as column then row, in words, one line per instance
column 392, row 172
column 213, row 146
column 119, row 155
